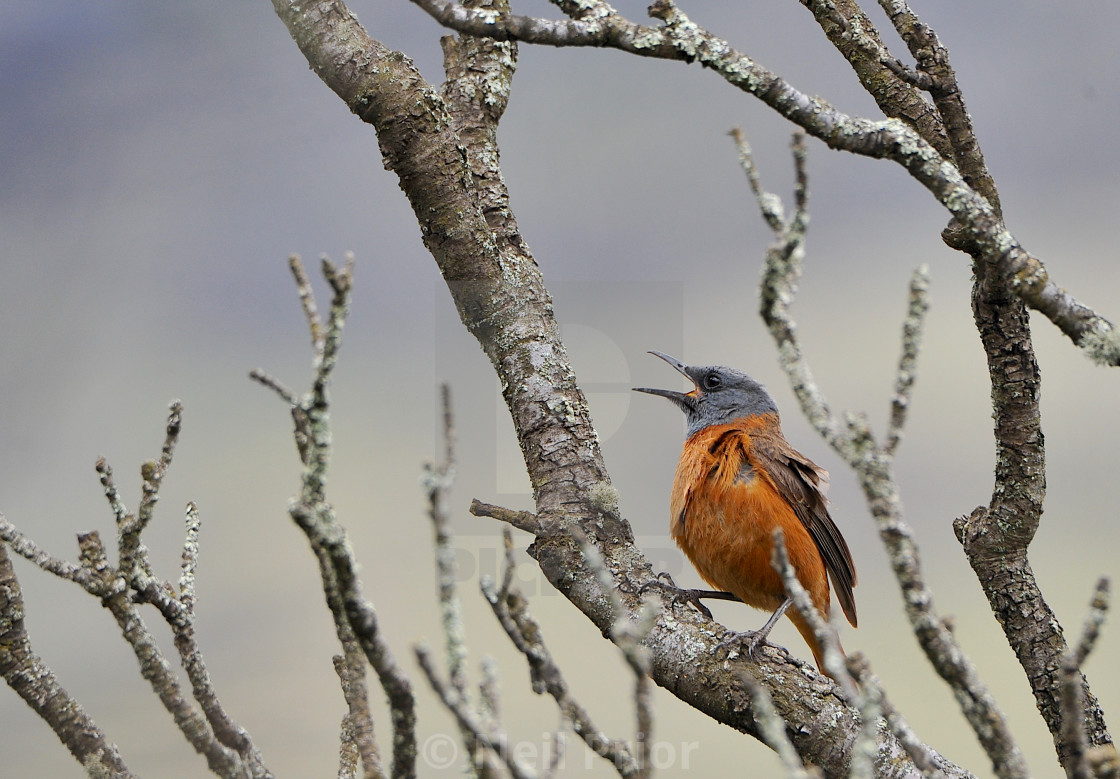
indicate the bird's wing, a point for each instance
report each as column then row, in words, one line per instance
column 803, row 483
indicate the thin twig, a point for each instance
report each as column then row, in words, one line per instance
column 629, row 637
column 489, row 698
column 1073, row 692
column 105, row 475
column 871, row 686
column 863, row 749
column 356, row 739
column 825, row 634
column 29, row 550
column 133, row 555
column 853, row 441
column 190, row 558
column 31, row 679
column 179, row 613
column 274, row 384
column 522, row 520
column 437, row 481
column 511, row 609
column 152, row 473
column 493, row 738
column 356, row 622
column 307, row 300
column 908, row 361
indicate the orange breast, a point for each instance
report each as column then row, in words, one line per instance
column 725, row 507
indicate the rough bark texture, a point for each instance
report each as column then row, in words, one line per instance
column 440, row 145
column 912, row 137
column 36, row 684
column 996, row 538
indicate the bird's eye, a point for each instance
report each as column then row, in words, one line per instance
column 712, row 381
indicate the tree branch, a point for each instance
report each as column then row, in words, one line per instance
column 32, row 680
column 1073, row 695
column 501, row 297
column 228, row 749
column 980, row 225
column 356, row 622
column 874, row 466
column 512, row 611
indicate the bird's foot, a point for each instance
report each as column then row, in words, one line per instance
column 753, row 639
column 748, row 642
column 679, row 595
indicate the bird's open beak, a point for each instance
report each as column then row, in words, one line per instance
column 686, row 400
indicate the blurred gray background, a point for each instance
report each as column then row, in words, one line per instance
column 160, row 162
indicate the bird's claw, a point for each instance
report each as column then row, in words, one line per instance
column 748, row 641
column 677, row 595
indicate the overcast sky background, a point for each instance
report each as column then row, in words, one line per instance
column 160, row 162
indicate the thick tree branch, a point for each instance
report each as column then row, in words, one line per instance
column 981, row 228
column 501, row 298
column 872, row 463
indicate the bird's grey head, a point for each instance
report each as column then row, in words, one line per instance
column 721, row 395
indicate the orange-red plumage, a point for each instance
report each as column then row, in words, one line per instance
column 737, row 480
column 725, row 505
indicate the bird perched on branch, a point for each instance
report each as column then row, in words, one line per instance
column 737, row 480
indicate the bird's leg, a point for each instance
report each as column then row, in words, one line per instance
column 751, row 640
column 685, row 595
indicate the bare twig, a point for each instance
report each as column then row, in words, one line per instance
column 152, row 473
column 834, row 662
column 863, row 749
column 437, row 480
column 512, row 612
column 29, row 550
column 356, row 741
column 556, row 753
column 179, row 612
column 307, row 300
column 274, row 384
column 908, row 361
column 629, row 637
column 873, row 464
column 522, row 520
column 871, row 687
column 1073, row 694
column 488, row 689
column 190, row 558
column 488, row 734
column 32, row 680
column 355, row 620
